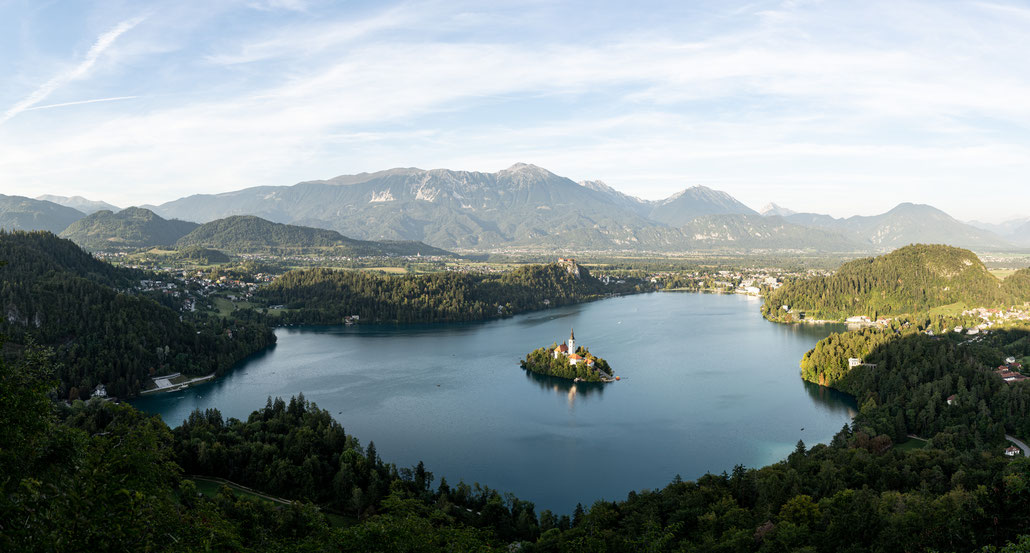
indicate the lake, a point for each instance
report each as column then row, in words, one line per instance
column 706, row 384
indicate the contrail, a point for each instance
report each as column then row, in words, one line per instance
column 48, row 106
column 102, row 43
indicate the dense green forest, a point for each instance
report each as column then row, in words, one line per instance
column 247, row 233
column 326, row 296
column 100, row 476
column 201, row 255
column 543, row 361
column 55, row 294
column 915, row 374
column 130, row 228
column 913, row 279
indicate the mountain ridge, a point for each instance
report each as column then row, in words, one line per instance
column 78, row 202
column 527, row 206
column 21, row 213
column 249, row 234
column 132, row 227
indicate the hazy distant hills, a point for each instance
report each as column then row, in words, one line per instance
column 137, row 228
column 1021, row 234
column 1016, row 230
column 905, row 224
column 132, row 227
column 21, row 213
column 773, row 209
column 526, row 206
column 79, row 203
column 441, row 207
column 522, row 206
column 247, row 234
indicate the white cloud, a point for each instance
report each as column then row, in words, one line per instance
column 909, row 95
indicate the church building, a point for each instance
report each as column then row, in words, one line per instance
column 568, row 349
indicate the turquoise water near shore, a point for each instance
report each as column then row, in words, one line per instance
column 706, row 384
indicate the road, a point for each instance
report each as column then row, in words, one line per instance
column 1019, row 444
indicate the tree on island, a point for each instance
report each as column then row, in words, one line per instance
column 543, row 361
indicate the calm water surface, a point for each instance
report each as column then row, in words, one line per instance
column 706, row 384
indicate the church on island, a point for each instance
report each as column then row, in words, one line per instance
column 568, row 349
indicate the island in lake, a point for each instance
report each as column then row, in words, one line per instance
column 568, row 361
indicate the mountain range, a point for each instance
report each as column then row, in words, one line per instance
column 79, row 203
column 21, row 213
column 526, row 207
column 906, row 224
column 139, row 228
column 1015, row 230
column 249, row 234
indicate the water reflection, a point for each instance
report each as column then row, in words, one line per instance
column 830, row 400
column 562, row 386
column 706, row 384
column 548, row 316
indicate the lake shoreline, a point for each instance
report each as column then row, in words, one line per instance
column 446, row 394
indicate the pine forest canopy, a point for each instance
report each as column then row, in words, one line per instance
column 326, row 296
column 102, row 476
column 130, row 228
column 54, row 294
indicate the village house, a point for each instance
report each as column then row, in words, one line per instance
column 1012, row 451
column 951, row 399
column 1009, row 376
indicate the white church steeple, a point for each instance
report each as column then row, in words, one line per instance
column 572, row 341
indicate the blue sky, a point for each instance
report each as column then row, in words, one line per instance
column 836, row 107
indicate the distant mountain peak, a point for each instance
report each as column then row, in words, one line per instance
column 520, row 166
column 528, row 170
column 84, row 205
column 774, row 209
column 684, row 206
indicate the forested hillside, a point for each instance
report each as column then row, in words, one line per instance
column 105, row 477
column 249, row 234
column 913, row 279
column 54, row 294
column 21, row 213
column 132, row 227
column 325, row 296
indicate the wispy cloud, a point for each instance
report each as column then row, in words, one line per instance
column 79, row 71
column 899, row 100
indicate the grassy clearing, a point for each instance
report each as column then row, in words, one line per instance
column 223, row 306
column 210, row 487
column 911, row 444
column 275, row 313
column 391, row 270
column 1002, row 273
column 952, row 309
